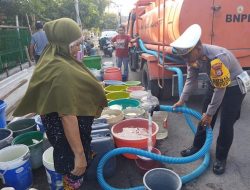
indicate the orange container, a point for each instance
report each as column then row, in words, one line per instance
column 112, row 73
column 127, row 141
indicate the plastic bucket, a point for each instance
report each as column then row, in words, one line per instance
column 130, row 127
column 139, row 94
column 125, row 103
column 134, row 88
column 39, row 123
column 112, row 73
column 113, row 82
column 133, row 83
column 34, row 140
column 3, row 105
column 115, row 88
column 92, row 62
column 15, row 168
column 22, row 126
column 54, row 178
column 117, row 95
column 146, row 164
column 161, row 178
column 6, row 137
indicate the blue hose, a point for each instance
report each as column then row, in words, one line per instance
column 204, row 151
column 161, row 158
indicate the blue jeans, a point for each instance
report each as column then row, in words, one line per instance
column 124, row 60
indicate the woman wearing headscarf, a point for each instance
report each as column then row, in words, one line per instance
column 68, row 97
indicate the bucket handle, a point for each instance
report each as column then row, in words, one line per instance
column 2, row 175
column 9, row 141
column 26, row 156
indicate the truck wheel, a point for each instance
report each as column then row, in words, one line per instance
column 150, row 84
column 133, row 60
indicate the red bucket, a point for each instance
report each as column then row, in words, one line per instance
column 145, row 164
column 129, row 141
column 112, row 73
column 135, row 88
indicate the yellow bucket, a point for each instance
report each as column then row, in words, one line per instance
column 115, row 88
column 117, row 95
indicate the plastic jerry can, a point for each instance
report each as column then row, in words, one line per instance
column 98, row 126
column 102, row 142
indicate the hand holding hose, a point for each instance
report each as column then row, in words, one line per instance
column 178, row 104
column 206, row 120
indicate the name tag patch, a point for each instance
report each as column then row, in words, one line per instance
column 219, row 74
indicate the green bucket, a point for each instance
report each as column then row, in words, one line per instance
column 22, row 126
column 93, row 62
column 34, row 140
column 125, row 103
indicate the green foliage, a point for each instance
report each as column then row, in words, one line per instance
column 91, row 11
column 109, row 21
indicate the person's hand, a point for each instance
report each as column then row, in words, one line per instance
column 178, row 104
column 206, row 120
column 80, row 165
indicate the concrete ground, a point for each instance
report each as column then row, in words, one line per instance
column 237, row 175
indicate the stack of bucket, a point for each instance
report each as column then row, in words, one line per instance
column 20, row 155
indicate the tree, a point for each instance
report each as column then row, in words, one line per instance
column 109, row 21
column 91, row 11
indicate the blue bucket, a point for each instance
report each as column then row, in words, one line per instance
column 39, row 123
column 15, row 168
column 3, row 105
column 54, row 178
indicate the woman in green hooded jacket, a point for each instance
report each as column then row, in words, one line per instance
column 68, row 97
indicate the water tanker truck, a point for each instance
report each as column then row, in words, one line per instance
column 159, row 22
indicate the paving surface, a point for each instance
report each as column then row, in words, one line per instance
column 237, row 175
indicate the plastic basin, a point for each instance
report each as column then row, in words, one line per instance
column 125, row 103
column 92, row 62
column 128, row 140
column 133, row 112
column 139, row 94
column 133, row 83
column 115, row 88
column 112, row 116
column 162, row 178
column 113, row 82
column 117, row 95
column 145, row 164
column 134, row 88
column 22, row 126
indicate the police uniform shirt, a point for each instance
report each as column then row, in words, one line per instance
column 211, row 52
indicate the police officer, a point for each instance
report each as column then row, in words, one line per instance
column 223, row 93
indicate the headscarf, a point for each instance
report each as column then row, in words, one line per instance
column 60, row 83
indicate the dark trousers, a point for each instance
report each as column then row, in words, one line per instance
column 230, row 113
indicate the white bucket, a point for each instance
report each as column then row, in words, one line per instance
column 54, row 178
column 15, row 167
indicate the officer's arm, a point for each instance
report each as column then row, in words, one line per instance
column 219, row 93
column 217, row 98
